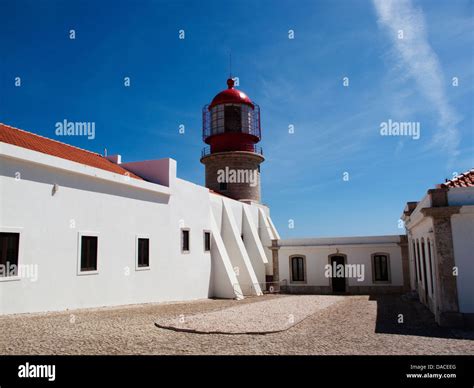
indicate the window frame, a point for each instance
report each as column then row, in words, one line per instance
column 418, row 257
column 233, row 115
column 137, row 238
column 204, row 240
column 429, row 244
column 18, row 231
column 81, row 234
column 305, row 278
column 182, row 230
column 389, row 272
column 415, row 277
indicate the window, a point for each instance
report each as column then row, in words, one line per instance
column 217, row 119
column 143, row 254
column 223, row 186
column 207, row 241
column 232, row 118
column 9, row 248
column 418, row 259
column 246, row 119
column 416, row 266
column 423, row 261
column 430, row 258
column 89, row 253
column 297, row 269
column 185, row 240
column 380, row 267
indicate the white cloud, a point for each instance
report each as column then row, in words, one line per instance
column 421, row 63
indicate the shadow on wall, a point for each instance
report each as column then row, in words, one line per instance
column 51, row 176
column 417, row 319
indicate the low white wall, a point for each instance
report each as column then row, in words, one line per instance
column 358, row 250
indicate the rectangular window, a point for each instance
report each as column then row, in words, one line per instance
column 418, row 260
column 9, row 248
column 185, row 240
column 232, row 118
column 297, row 269
column 416, row 267
column 381, row 268
column 429, row 245
column 89, row 253
column 207, row 241
column 143, row 255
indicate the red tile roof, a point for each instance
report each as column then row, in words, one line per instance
column 21, row 138
column 463, row 180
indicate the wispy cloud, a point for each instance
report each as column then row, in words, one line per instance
column 420, row 61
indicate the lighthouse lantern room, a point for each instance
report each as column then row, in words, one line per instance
column 231, row 128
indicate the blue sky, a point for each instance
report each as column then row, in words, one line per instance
column 296, row 82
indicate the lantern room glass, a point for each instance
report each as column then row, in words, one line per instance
column 228, row 118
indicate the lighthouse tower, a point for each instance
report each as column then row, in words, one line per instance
column 231, row 128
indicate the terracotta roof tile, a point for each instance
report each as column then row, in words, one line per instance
column 31, row 141
column 463, row 180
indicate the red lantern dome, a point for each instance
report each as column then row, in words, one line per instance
column 231, row 122
column 231, row 96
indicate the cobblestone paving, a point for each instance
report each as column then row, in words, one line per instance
column 356, row 325
column 262, row 317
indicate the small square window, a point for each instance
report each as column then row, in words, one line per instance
column 207, row 241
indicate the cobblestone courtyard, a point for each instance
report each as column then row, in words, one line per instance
column 354, row 325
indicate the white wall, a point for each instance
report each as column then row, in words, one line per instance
column 462, row 225
column 94, row 201
column 421, row 230
column 357, row 249
column 50, row 226
column 247, row 256
column 463, row 241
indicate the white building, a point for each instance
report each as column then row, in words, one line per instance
column 440, row 231
column 377, row 264
column 78, row 229
column 99, row 234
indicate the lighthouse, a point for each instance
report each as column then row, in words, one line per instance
column 232, row 158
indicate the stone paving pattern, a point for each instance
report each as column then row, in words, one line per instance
column 263, row 317
column 356, row 325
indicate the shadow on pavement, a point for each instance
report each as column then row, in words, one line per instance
column 417, row 319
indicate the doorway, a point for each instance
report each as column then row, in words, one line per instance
column 338, row 279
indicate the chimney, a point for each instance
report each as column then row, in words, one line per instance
column 117, row 159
